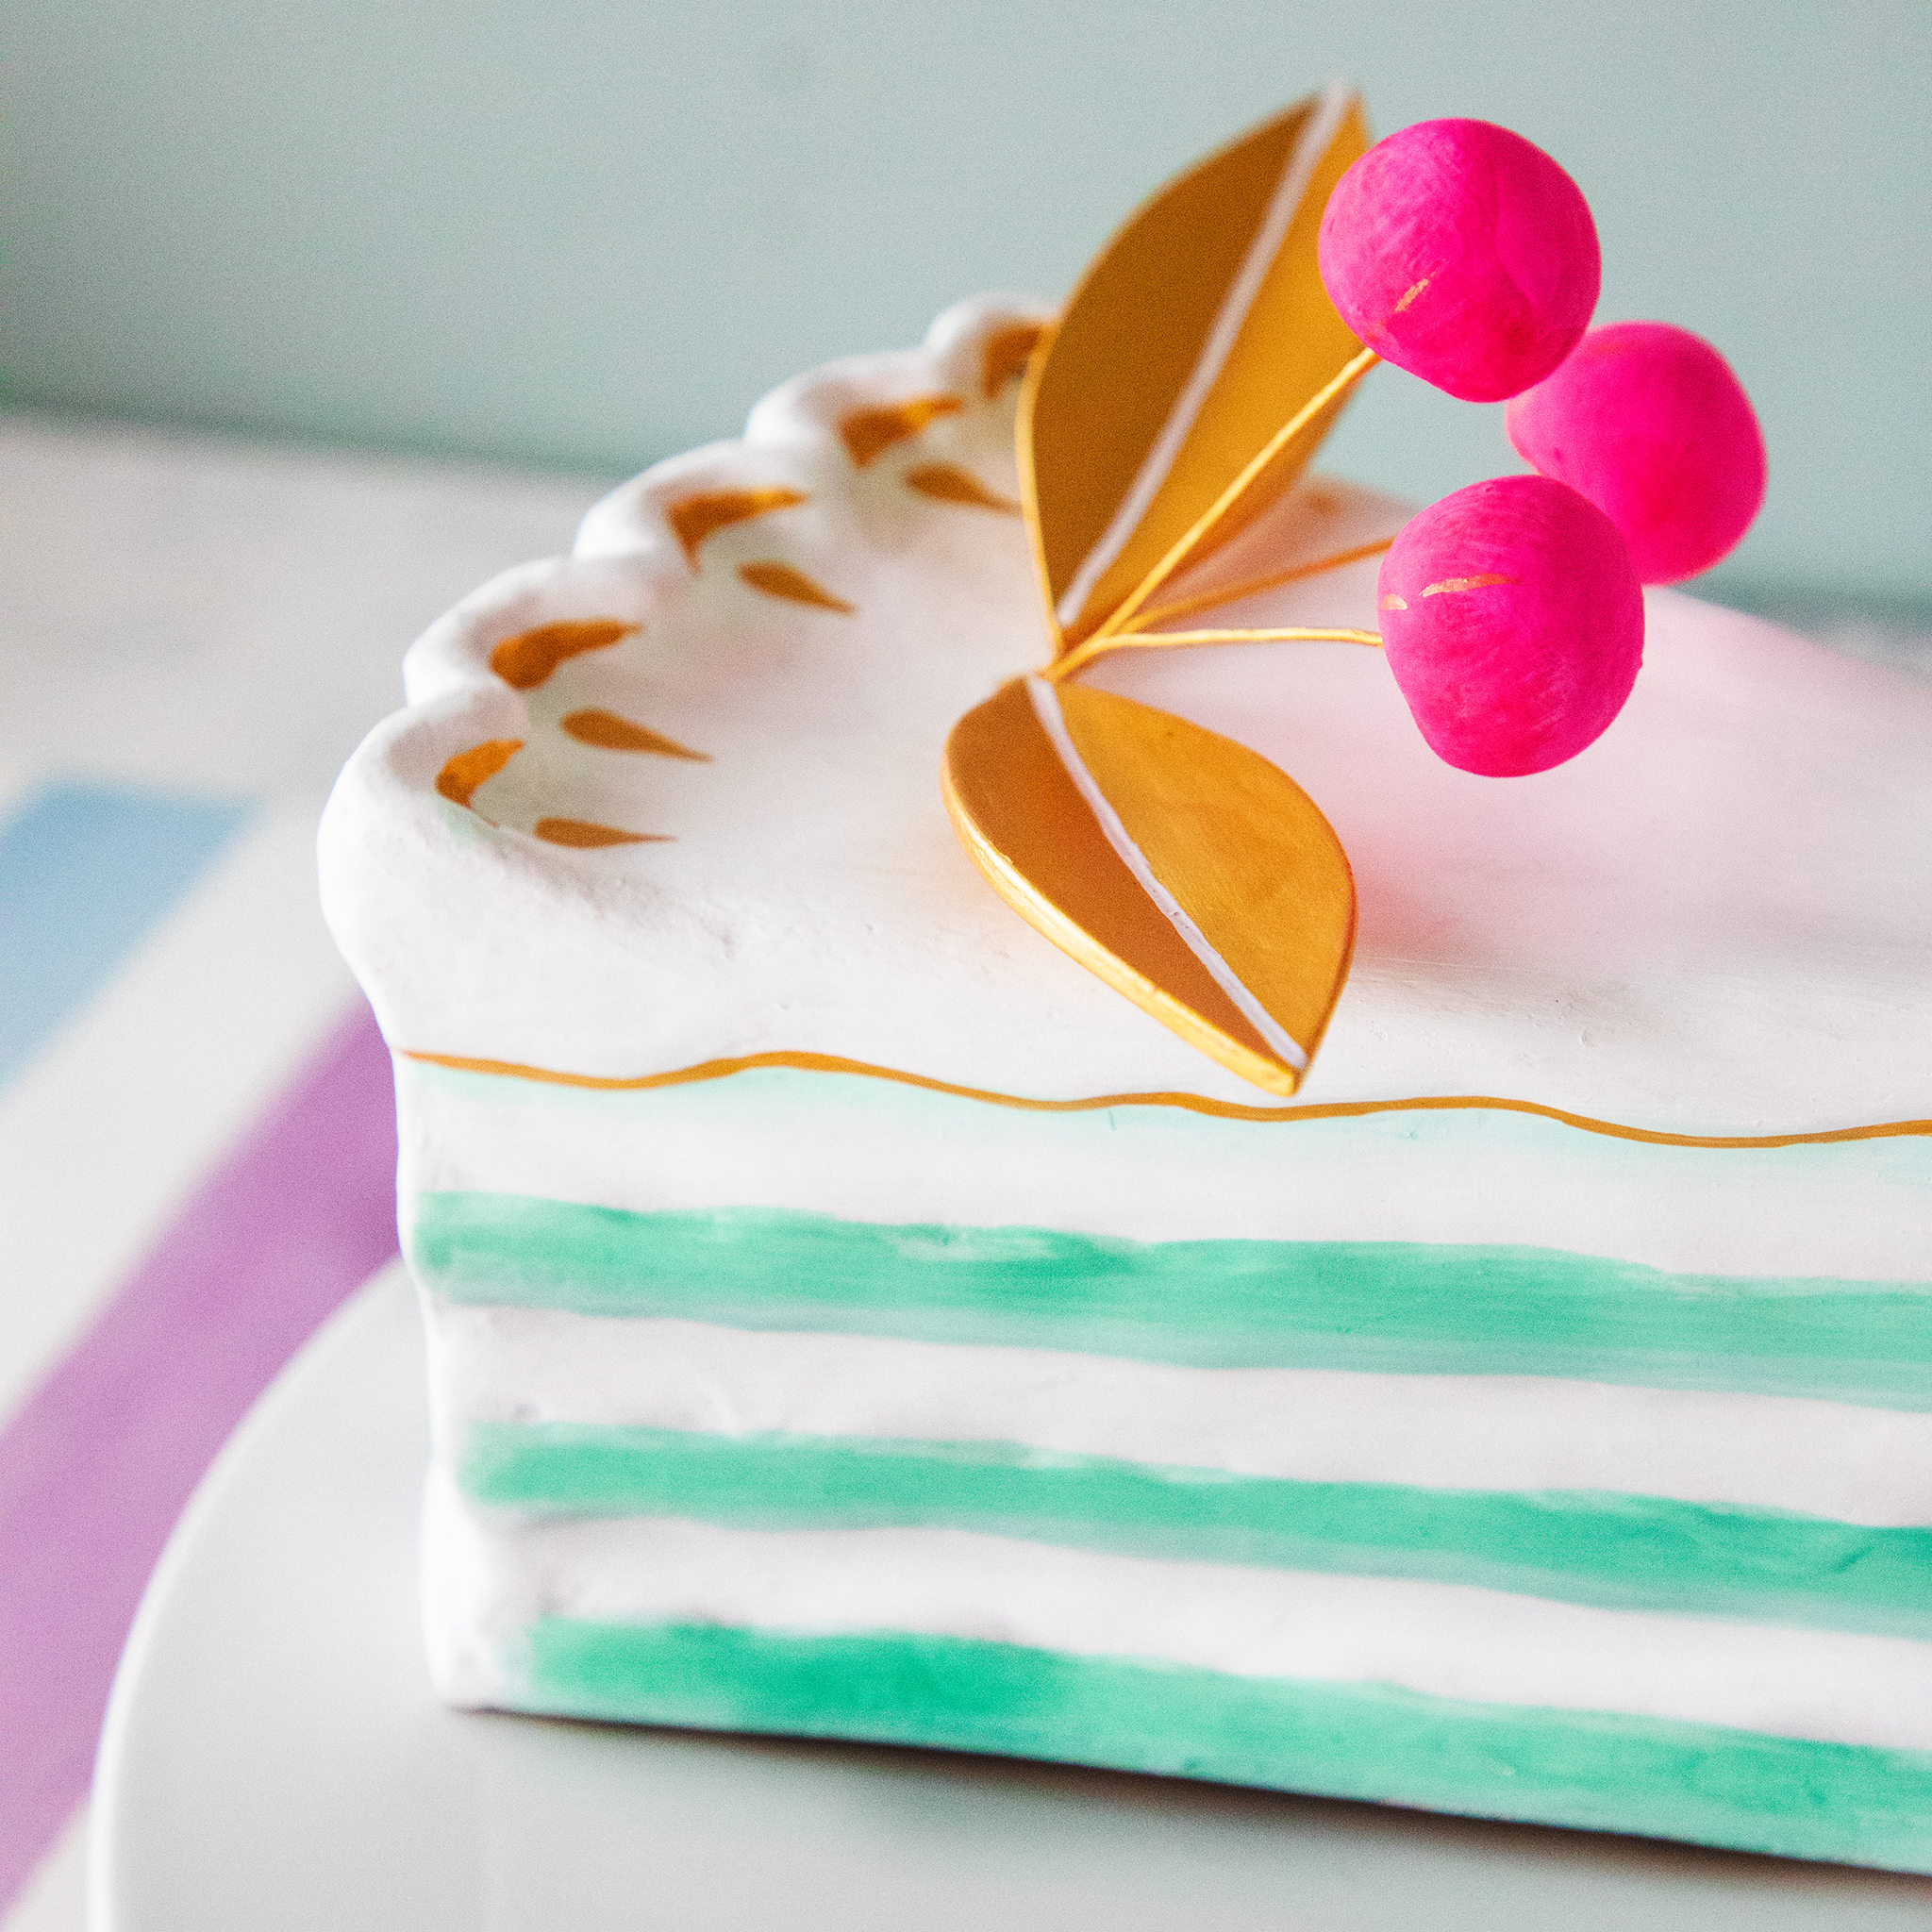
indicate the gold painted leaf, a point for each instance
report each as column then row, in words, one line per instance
column 694, row 518
column 1182, row 868
column 1198, row 366
column 460, row 775
column 782, row 580
column 869, row 433
column 526, row 659
column 584, row 833
column 612, row 733
column 948, row 483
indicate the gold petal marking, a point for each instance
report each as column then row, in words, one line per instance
column 1006, row 355
column 461, row 774
column 1460, row 584
column 1409, row 293
column 1183, row 869
column 612, row 733
column 869, row 433
column 587, row 834
column 1392, row 602
column 782, row 580
column 1190, row 1102
column 526, row 659
column 948, row 483
column 694, row 518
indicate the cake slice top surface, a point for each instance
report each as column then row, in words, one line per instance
column 675, row 800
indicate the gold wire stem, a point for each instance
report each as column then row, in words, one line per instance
column 1251, row 586
column 1082, row 654
column 1345, row 380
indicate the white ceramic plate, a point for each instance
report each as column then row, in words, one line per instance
column 273, row 1760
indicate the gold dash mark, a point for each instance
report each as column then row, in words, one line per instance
column 605, row 729
column 694, row 518
column 586, row 835
column 1392, row 602
column 1006, row 354
column 526, row 659
column 1449, row 584
column 1409, row 295
column 948, row 483
column 869, row 433
column 781, row 580
column 459, row 778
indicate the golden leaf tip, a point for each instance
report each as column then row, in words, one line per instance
column 523, row 661
column 782, row 580
column 460, row 775
column 869, row 433
column 948, row 483
column 587, row 834
column 609, row 732
column 696, row 517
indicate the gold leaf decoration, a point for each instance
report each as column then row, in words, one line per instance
column 612, row 733
column 585, row 833
column 1006, row 355
column 1183, row 869
column 948, row 483
column 869, row 433
column 526, row 659
column 460, row 775
column 694, row 518
column 782, row 580
column 1198, row 366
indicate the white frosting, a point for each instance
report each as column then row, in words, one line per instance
column 1474, row 1432
column 1714, row 921
column 1445, row 1639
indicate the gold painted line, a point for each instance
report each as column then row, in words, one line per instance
column 1193, row 1102
column 1253, row 587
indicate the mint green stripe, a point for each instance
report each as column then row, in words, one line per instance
column 1629, row 1553
column 1402, row 1307
column 1599, row 1770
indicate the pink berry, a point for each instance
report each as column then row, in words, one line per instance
column 1513, row 622
column 1459, row 252
column 1650, row 423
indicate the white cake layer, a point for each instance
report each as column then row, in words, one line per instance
column 490, row 1580
column 1457, row 1432
column 1714, row 921
column 871, row 1149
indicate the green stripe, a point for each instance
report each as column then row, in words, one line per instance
column 1618, row 1552
column 1402, row 1307
column 1598, row 1770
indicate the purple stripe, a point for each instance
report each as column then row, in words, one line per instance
column 96, row 1467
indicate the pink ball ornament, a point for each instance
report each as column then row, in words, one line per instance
column 1459, row 252
column 1513, row 621
column 1648, row 422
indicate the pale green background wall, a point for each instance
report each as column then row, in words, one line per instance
column 590, row 232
